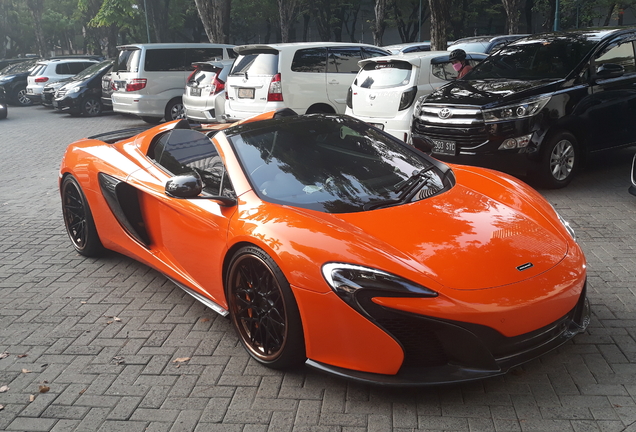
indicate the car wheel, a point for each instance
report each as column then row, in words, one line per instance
column 78, row 219
column 263, row 309
column 3, row 113
column 175, row 110
column 151, row 120
column 91, row 107
column 21, row 97
column 559, row 161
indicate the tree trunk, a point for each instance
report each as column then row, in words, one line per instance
column 380, row 21
column 513, row 13
column 306, row 18
column 215, row 16
column 609, row 14
column 36, row 7
column 439, row 23
column 288, row 11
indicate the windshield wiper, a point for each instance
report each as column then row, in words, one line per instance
column 406, row 189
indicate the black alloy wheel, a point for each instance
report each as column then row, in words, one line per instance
column 263, row 309
column 78, row 219
column 91, row 107
column 560, row 161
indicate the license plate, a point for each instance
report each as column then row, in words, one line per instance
column 444, row 147
column 195, row 91
column 378, row 125
column 246, row 93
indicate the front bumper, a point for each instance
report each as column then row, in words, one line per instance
column 440, row 351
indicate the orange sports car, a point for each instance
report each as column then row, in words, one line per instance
column 328, row 242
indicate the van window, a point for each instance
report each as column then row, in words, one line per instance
column 256, row 64
column 194, row 55
column 127, row 61
column 622, row 55
column 165, row 60
column 384, row 75
column 344, row 60
column 310, row 60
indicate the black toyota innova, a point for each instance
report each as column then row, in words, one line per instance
column 537, row 107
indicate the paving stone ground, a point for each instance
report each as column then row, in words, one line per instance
column 58, row 326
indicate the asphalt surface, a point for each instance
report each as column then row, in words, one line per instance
column 92, row 344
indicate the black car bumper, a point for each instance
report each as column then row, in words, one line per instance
column 443, row 352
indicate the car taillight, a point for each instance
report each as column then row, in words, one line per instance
column 407, row 98
column 136, row 84
column 41, row 79
column 350, row 98
column 275, row 92
column 217, row 86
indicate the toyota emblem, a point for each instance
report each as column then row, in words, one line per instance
column 445, row 113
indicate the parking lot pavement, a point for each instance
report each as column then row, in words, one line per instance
column 92, row 344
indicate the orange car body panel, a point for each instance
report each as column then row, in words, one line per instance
column 497, row 222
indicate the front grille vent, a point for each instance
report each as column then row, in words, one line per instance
column 449, row 115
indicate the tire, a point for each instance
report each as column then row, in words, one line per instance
column 263, row 309
column 78, row 219
column 3, row 113
column 559, row 161
column 151, row 120
column 175, row 110
column 20, row 97
column 91, row 107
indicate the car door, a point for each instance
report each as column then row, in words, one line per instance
column 189, row 233
column 613, row 101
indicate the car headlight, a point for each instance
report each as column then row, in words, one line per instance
column 349, row 281
column 519, row 110
column 73, row 90
column 418, row 106
column 566, row 224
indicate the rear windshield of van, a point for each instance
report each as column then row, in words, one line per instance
column 128, row 61
column 256, row 64
column 384, row 75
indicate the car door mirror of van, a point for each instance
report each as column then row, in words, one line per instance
column 609, row 70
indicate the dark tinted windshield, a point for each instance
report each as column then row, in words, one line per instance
column 128, row 61
column 534, row 59
column 384, row 75
column 329, row 163
column 21, row 67
column 256, row 64
column 92, row 70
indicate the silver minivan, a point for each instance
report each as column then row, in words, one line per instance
column 307, row 77
column 148, row 79
column 386, row 88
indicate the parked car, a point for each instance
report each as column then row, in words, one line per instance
column 148, row 79
column 305, row 77
column 300, row 228
column 484, row 44
column 408, row 47
column 48, row 92
column 632, row 188
column 48, row 71
column 537, row 107
column 83, row 93
column 384, row 91
column 12, row 61
column 13, row 79
column 107, row 90
column 4, row 110
column 204, row 96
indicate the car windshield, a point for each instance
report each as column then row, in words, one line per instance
column 534, row 59
column 381, row 75
column 21, row 67
column 471, row 46
column 334, row 164
column 92, row 70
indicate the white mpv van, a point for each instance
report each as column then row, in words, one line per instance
column 148, row 79
column 306, row 77
column 385, row 90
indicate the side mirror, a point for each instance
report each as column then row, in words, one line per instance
column 609, row 70
column 184, row 186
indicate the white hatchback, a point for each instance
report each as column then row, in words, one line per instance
column 386, row 88
column 307, row 77
column 204, row 96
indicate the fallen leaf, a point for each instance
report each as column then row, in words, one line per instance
column 26, row 371
column 4, row 355
column 31, row 398
column 4, row 388
column 44, row 389
column 117, row 319
column 181, row 360
column 205, row 319
column 83, row 302
column 82, row 391
column 109, row 322
column 22, row 355
column 1, row 407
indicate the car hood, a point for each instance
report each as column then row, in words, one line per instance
column 494, row 91
column 465, row 239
